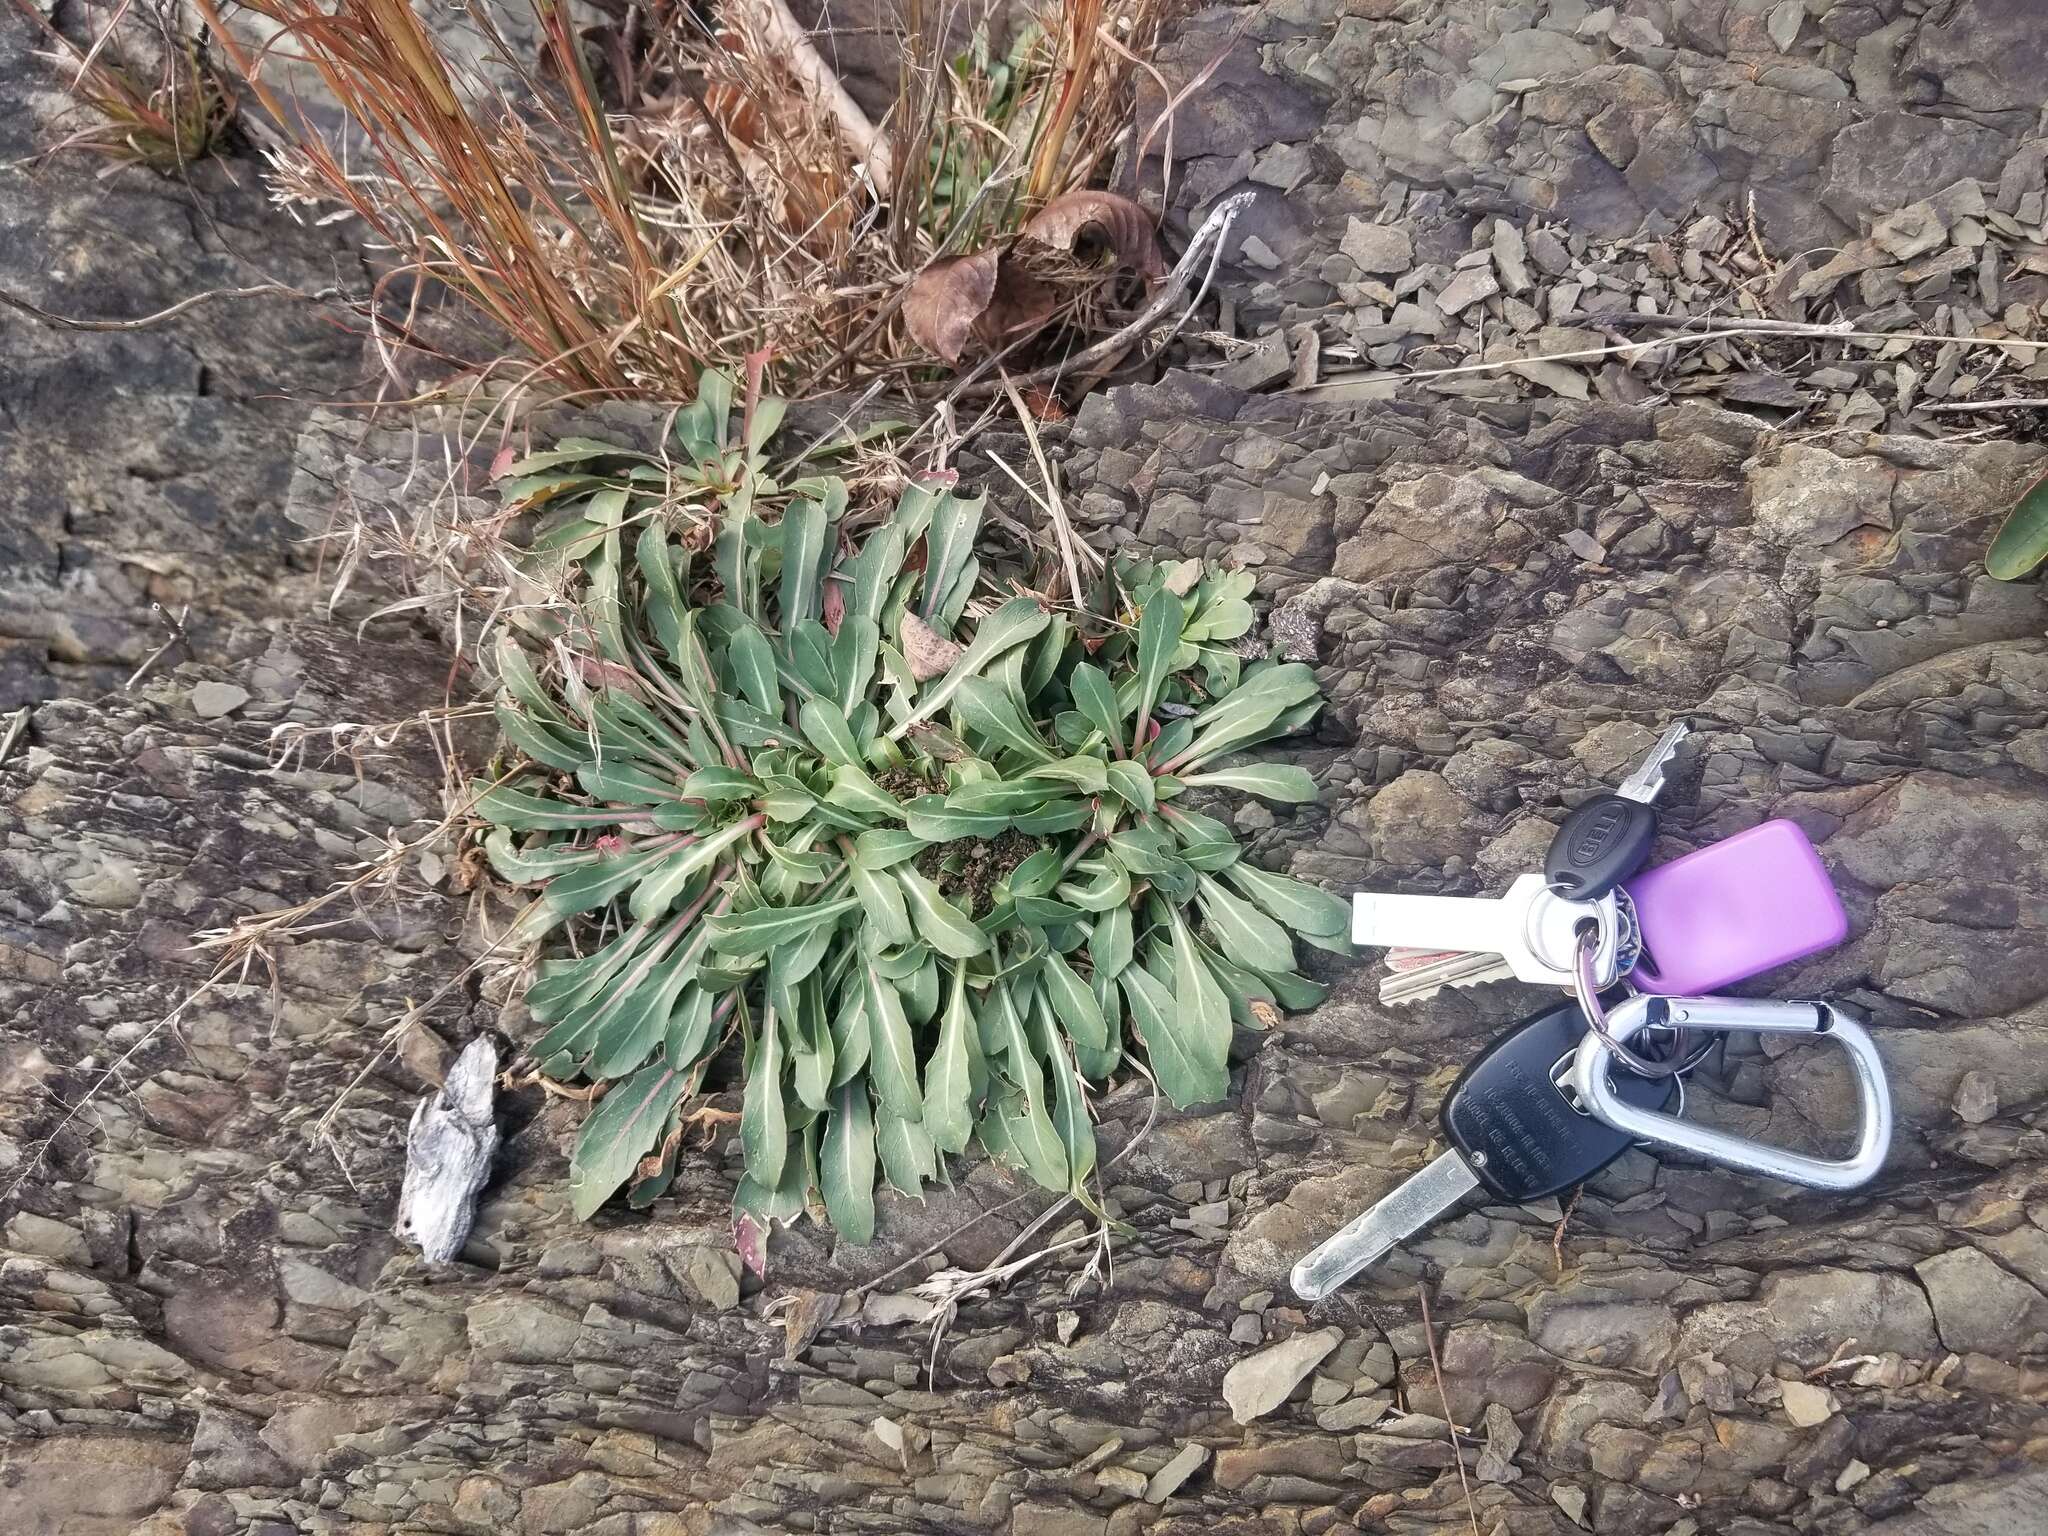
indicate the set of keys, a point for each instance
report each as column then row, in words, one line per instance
column 1563, row 1094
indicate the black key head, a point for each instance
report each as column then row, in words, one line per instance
column 1523, row 1137
column 1598, row 846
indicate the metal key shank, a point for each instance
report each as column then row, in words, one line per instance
column 1535, row 932
column 1590, row 1079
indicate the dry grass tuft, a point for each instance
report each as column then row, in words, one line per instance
column 152, row 94
column 678, row 192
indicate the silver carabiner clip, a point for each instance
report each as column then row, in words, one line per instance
column 1589, row 1078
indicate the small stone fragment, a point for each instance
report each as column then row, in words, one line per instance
column 1784, row 24
column 1167, row 1480
column 1359, row 1413
column 1585, row 546
column 1852, row 1474
column 1254, row 1387
column 1549, row 252
column 1377, row 247
column 1570, row 1498
column 1467, row 289
column 1503, row 1439
column 1125, row 1482
column 1977, row 1097
column 1325, row 1390
column 1510, row 257
column 1245, row 1329
column 211, row 700
column 1806, row 1404
column 1635, row 33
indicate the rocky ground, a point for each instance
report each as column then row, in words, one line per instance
column 146, row 466
column 206, row 1328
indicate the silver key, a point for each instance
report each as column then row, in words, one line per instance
column 1413, row 1205
column 1647, row 782
column 1418, row 974
column 1463, row 970
column 1533, row 932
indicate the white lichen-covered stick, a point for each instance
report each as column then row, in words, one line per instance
column 448, row 1155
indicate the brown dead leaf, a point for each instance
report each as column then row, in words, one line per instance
column 1076, row 222
column 989, row 298
column 808, row 1315
column 947, row 298
column 929, row 653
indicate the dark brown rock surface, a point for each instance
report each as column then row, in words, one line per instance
column 202, row 1294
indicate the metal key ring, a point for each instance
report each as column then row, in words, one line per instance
column 1814, row 1019
column 1586, row 987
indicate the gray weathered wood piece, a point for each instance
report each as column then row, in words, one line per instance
column 448, row 1152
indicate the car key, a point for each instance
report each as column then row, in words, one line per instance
column 1513, row 1132
column 1526, row 929
column 1607, row 839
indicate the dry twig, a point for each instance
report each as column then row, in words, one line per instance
column 1444, row 1397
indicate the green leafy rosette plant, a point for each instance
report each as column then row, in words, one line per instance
column 924, row 850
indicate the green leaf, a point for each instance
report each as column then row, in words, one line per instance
column 892, row 1055
column 1252, row 709
column 592, row 885
column 1225, row 620
column 948, row 1090
column 1185, row 1030
column 1305, row 908
column 2022, row 541
column 762, row 929
column 504, row 806
column 753, row 666
column 853, row 790
column 908, row 1156
column 657, row 893
column 1247, row 935
column 1026, row 1123
column 938, row 922
column 1283, row 782
column 1012, row 624
column 929, row 817
column 689, row 1027
column 882, row 906
column 886, row 846
column 1003, row 797
column 764, row 1121
column 949, row 546
column 854, row 651
column 1159, row 627
column 846, row 1163
column 1132, row 783
column 1109, row 944
column 717, row 784
column 803, row 561
column 537, row 741
column 1069, row 1108
column 1073, row 1003
column 526, row 866
column 990, row 713
column 1109, row 885
column 622, row 1129
column 825, row 728
column 1088, row 774
column 1096, row 701
column 663, row 603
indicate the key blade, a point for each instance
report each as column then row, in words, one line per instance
column 1407, row 1209
column 1647, row 782
column 1411, row 986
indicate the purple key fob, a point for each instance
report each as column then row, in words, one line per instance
column 1735, row 908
